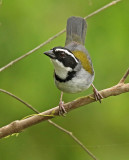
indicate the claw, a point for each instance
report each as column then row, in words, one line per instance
column 62, row 110
column 97, row 95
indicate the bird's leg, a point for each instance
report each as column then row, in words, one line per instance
column 97, row 95
column 62, row 110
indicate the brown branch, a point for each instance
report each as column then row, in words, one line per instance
column 124, row 77
column 55, row 36
column 51, row 122
column 19, row 125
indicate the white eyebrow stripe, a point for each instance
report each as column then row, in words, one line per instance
column 66, row 51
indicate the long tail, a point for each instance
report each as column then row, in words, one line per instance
column 76, row 30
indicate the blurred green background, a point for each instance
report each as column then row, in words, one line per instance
column 103, row 128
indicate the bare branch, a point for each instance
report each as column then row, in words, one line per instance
column 124, row 77
column 55, row 36
column 30, row 52
column 51, row 122
column 103, row 8
column 19, row 99
column 75, row 138
column 19, row 125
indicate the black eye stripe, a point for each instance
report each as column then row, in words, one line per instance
column 66, row 57
column 61, row 52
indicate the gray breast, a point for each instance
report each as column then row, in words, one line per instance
column 80, row 82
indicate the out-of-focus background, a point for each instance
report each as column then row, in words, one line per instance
column 103, row 128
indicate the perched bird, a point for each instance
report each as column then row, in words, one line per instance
column 73, row 69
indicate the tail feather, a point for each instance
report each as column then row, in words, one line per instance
column 76, row 30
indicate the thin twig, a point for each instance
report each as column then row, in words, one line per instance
column 51, row 122
column 30, row 52
column 55, row 36
column 19, row 99
column 75, row 138
column 101, row 9
column 124, row 77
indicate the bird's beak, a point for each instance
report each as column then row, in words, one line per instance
column 50, row 54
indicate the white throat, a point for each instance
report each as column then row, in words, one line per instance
column 60, row 69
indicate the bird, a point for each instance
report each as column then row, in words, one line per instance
column 73, row 68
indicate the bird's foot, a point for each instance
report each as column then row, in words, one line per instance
column 97, row 95
column 62, row 110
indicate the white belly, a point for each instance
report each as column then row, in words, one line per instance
column 81, row 82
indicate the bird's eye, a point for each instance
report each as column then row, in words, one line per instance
column 62, row 54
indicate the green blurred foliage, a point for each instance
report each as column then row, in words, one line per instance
column 103, row 128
